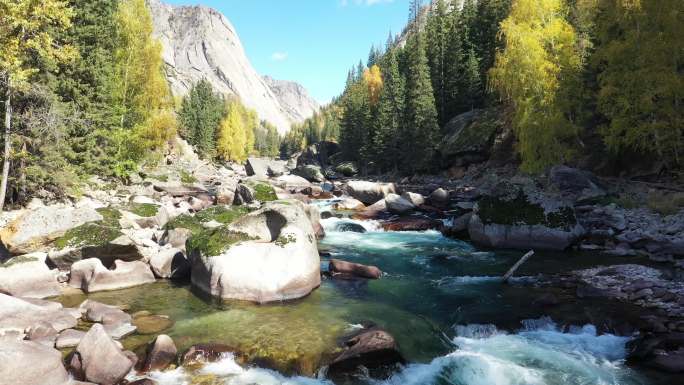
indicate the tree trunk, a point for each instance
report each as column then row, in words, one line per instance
column 8, row 140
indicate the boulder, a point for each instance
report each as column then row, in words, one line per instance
column 170, row 263
column 398, row 205
column 267, row 255
column 28, row 276
column 43, row 333
column 349, row 204
column 160, row 354
column 176, row 238
column 265, row 167
column 439, row 197
column 318, row 154
column 353, row 269
column 31, row 363
column 413, row 223
column 470, row 137
column 116, row 322
column 91, row 276
column 225, row 193
column 347, row 169
column 69, row 338
column 99, row 359
column 523, row 223
column 574, row 184
column 369, row 192
column 35, row 229
column 18, row 315
column 350, row 227
column 370, row 348
column 415, row 199
column 110, row 246
column 310, row 172
column 244, row 195
column 178, row 189
column 292, row 182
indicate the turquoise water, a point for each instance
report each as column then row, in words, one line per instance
column 442, row 300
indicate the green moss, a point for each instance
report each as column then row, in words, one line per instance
column 18, row 260
column 519, row 211
column 94, row 233
column 221, row 214
column 143, row 209
column 186, row 177
column 161, row 178
column 284, row 240
column 264, row 192
column 211, row 242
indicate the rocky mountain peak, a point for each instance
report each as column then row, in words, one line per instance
column 200, row 42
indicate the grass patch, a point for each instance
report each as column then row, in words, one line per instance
column 212, row 242
column 186, row 177
column 161, row 178
column 185, row 221
column 665, row 203
column 143, row 209
column 264, row 192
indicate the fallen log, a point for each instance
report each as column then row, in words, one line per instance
column 517, row 265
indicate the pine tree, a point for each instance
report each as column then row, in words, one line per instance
column 200, row 114
column 454, row 67
column 419, row 138
column 390, row 114
column 437, row 31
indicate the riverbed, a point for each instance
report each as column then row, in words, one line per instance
column 441, row 298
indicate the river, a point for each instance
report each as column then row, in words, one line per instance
column 441, row 298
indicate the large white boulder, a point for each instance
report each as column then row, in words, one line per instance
column 398, row 204
column 18, row 315
column 369, row 192
column 91, row 276
column 31, row 363
column 29, row 276
column 35, row 229
column 269, row 255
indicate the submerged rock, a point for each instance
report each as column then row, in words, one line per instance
column 370, row 348
column 202, row 353
column 413, row 223
column 352, row 269
column 160, row 354
column 267, row 255
column 28, row 276
column 350, row 227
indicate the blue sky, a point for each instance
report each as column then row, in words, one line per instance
column 313, row 42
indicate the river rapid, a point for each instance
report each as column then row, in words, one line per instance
column 442, row 300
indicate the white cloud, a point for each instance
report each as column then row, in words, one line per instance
column 279, row 56
column 344, row 3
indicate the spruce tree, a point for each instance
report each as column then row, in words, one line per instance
column 437, row 31
column 200, row 114
column 422, row 128
column 390, row 113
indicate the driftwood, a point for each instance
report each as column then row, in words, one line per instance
column 517, row 265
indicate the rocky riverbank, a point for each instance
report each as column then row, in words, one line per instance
column 249, row 234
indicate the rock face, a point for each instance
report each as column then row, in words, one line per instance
column 28, row 276
column 18, row 315
column 268, row 255
column 37, row 228
column 520, row 221
column 369, row 192
column 91, row 276
column 31, row 363
column 293, row 98
column 98, row 359
column 470, row 137
column 200, row 43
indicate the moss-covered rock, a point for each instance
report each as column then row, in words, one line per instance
column 470, row 137
column 143, row 209
column 520, row 211
column 220, row 214
column 210, row 242
column 93, row 233
column 263, row 192
column 347, row 169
